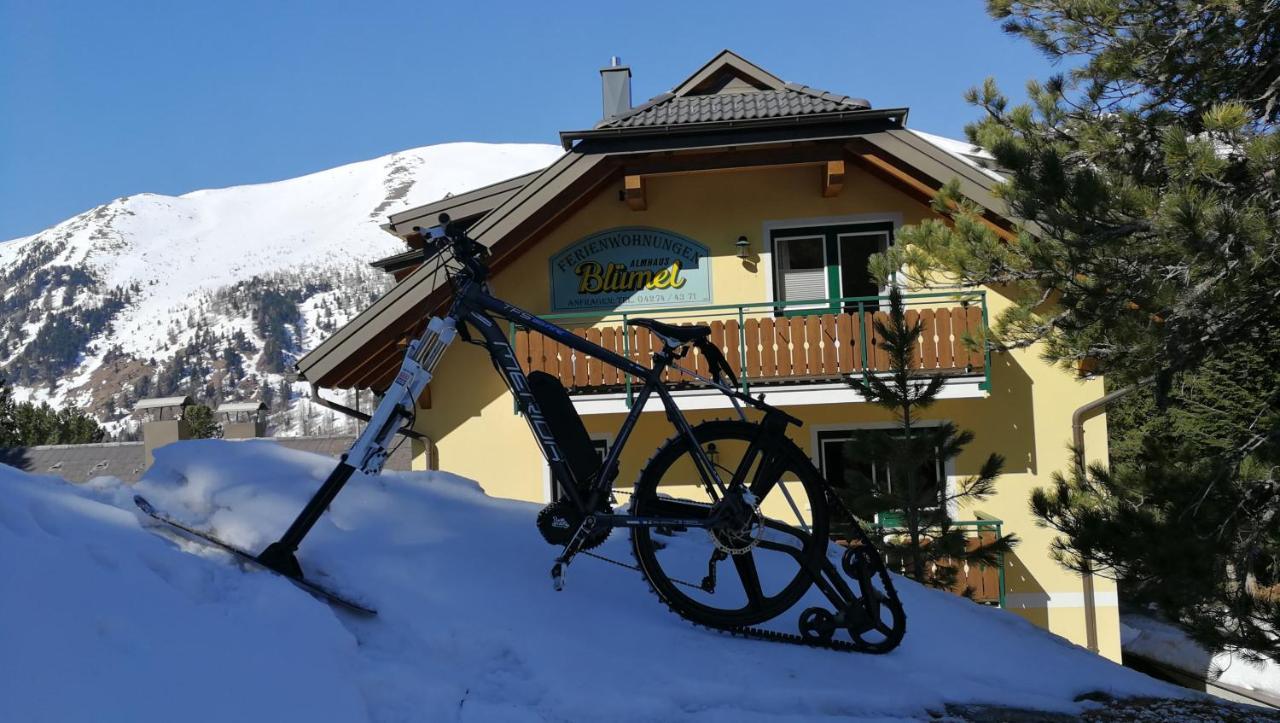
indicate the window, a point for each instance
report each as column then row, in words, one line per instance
column 833, row 464
column 827, row 262
column 802, row 268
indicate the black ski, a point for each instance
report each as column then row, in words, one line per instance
column 204, row 537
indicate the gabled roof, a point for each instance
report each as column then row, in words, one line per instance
column 365, row 352
column 728, row 88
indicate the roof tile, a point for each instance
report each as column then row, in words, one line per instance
column 792, row 100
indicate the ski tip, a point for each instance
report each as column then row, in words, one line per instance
column 143, row 505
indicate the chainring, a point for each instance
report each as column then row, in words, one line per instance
column 559, row 520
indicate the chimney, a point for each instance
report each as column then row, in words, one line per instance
column 616, row 85
column 162, row 423
column 243, row 420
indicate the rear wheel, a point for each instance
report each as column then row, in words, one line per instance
column 767, row 556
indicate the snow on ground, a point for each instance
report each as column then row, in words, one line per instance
column 1151, row 638
column 107, row 618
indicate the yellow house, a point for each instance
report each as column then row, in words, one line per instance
column 752, row 205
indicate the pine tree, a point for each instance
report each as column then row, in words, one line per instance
column 201, row 422
column 1149, row 247
column 892, row 475
column 8, row 426
column 37, row 424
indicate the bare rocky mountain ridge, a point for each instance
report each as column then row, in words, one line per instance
column 215, row 293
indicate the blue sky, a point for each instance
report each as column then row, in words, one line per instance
column 101, row 100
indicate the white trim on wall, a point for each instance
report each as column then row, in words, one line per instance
column 795, row 395
column 1026, row 600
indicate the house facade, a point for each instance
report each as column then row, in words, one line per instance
column 749, row 204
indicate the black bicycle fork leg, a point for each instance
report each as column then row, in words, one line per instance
column 279, row 555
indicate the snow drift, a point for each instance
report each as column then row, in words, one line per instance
column 106, row 617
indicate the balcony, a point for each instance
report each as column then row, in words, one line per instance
column 981, row 583
column 772, row 345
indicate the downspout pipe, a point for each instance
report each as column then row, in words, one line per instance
column 1078, row 417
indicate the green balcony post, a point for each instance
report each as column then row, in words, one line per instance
column 626, row 351
column 1003, row 604
column 862, row 335
column 986, row 356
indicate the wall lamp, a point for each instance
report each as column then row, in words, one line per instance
column 744, row 247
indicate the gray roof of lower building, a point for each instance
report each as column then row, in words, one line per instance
column 79, row 462
column 126, row 460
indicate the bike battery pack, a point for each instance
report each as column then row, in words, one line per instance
column 566, row 426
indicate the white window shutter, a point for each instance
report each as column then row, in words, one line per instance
column 804, row 284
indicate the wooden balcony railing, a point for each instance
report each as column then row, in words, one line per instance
column 773, row 343
column 982, row 583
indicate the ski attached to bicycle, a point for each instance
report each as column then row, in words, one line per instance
column 734, row 504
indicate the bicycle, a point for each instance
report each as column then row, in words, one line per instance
column 725, row 470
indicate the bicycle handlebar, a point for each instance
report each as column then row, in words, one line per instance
column 444, row 234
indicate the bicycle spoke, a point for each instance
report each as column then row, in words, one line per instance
column 775, row 573
column 745, row 564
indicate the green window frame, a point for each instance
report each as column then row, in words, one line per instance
column 837, row 241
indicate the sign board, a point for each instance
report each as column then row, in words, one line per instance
column 630, row 267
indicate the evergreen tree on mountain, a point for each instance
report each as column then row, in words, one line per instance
column 8, row 427
column 1146, row 179
column 27, row 424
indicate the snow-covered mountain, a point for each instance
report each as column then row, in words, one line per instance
column 214, row 293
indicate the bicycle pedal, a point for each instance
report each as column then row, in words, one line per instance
column 557, row 576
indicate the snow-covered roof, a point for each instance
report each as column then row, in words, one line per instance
column 965, row 151
column 233, row 407
column 159, row 402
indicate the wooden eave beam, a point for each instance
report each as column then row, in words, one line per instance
column 633, row 192
column 727, row 159
column 832, row 178
column 923, row 190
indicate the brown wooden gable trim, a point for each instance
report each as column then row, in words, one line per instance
column 319, row 364
column 914, row 183
column 475, row 202
column 727, row 60
column 368, row 344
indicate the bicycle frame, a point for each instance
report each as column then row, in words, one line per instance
column 474, row 305
column 471, row 308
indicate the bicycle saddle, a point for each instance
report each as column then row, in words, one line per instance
column 678, row 334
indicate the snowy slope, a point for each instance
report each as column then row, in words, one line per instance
column 169, row 256
column 1157, row 640
column 468, row 626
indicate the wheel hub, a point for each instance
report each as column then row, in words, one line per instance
column 737, row 536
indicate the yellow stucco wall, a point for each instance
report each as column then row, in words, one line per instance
column 1026, row 417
